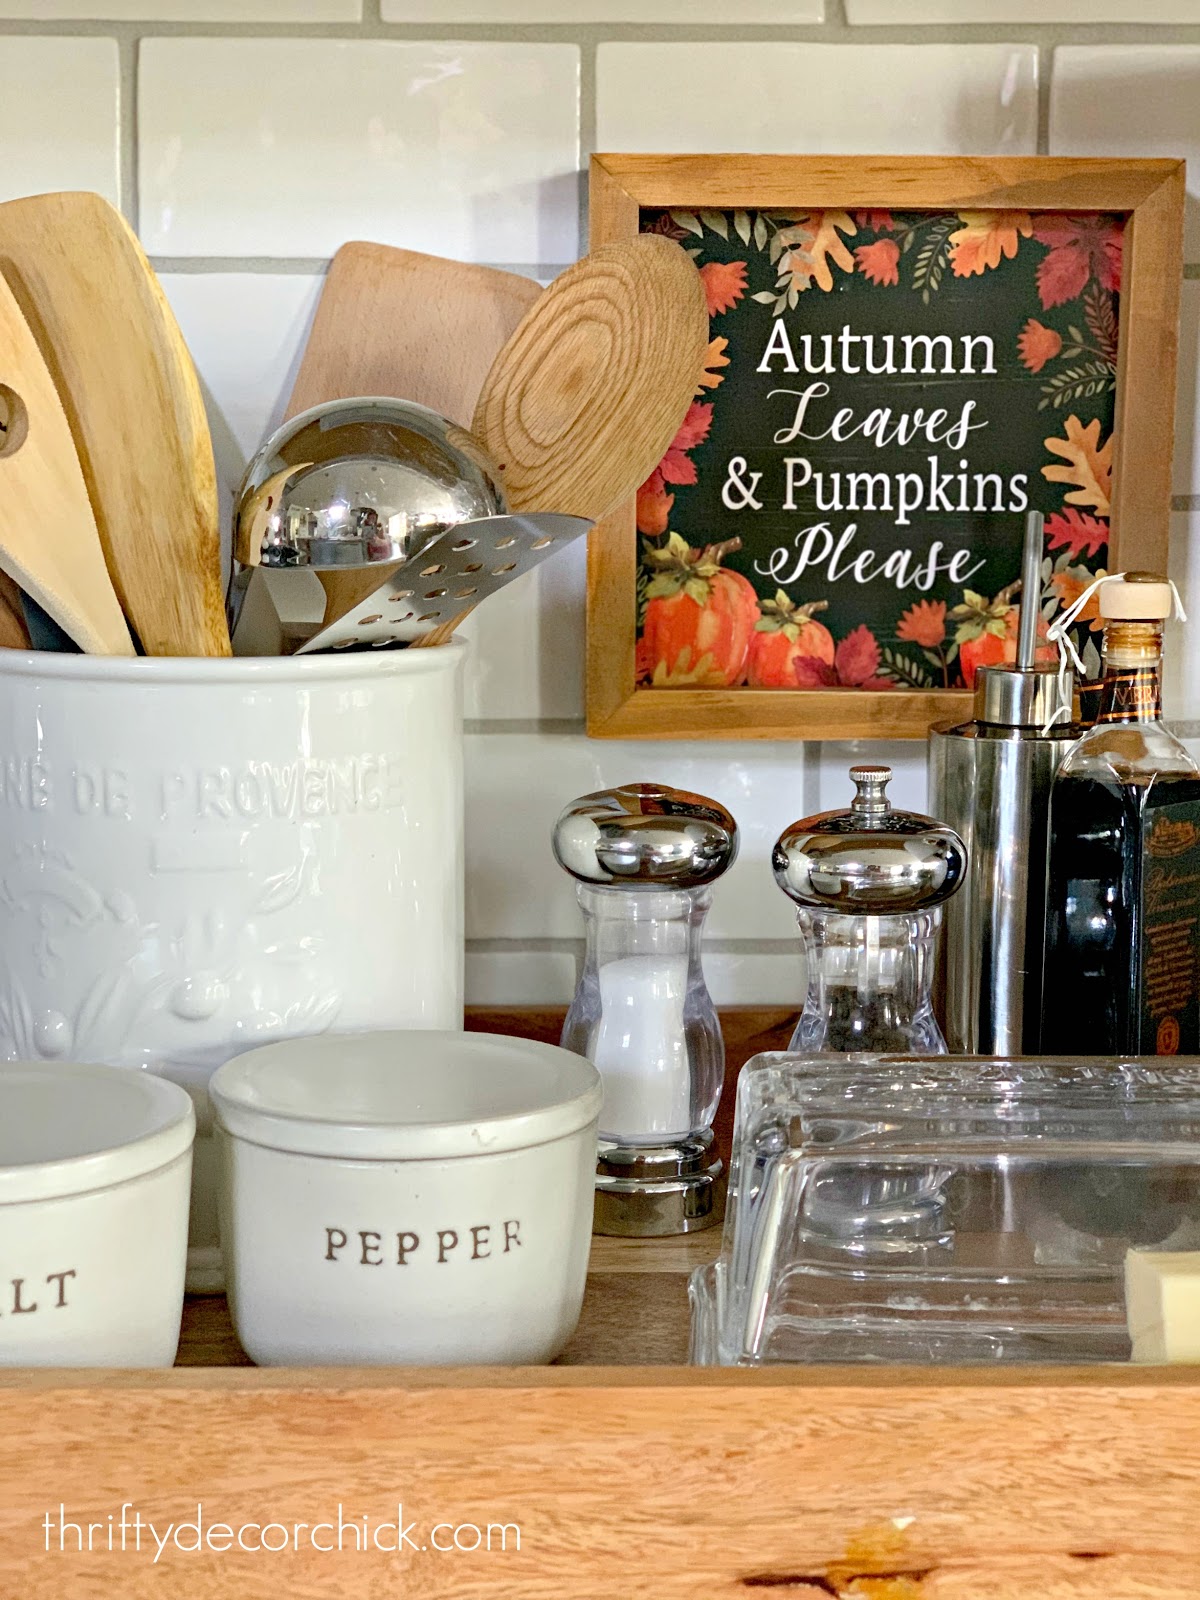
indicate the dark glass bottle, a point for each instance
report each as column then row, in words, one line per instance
column 1122, row 973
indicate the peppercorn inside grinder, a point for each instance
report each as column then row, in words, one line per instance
column 869, row 883
column 644, row 857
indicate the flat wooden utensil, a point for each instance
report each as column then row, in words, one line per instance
column 49, row 545
column 417, row 327
column 580, row 405
column 133, row 402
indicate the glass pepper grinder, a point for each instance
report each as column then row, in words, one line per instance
column 644, row 857
column 869, row 883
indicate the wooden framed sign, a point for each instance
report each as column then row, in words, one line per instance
column 906, row 357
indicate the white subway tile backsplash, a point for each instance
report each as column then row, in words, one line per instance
column 527, row 645
column 910, row 13
column 1181, row 671
column 742, row 13
column 184, row 10
column 288, row 147
column 816, row 98
column 59, row 103
column 246, row 331
column 519, row 978
column 908, row 790
column 518, row 783
column 1130, row 100
column 752, row 979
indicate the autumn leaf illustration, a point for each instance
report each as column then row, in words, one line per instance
column 812, row 243
column 716, row 358
column 1037, row 344
column 1068, row 584
column 1076, row 532
column 984, row 238
column 654, row 504
column 855, row 664
column 924, row 623
column 1088, row 465
column 876, row 221
column 724, row 284
column 1081, row 247
column 677, row 466
column 879, row 263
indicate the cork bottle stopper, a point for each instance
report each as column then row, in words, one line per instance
column 1137, row 597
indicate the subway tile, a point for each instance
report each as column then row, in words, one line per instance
column 573, row 12
column 817, row 98
column 1130, row 100
column 518, row 783
column 245, row 331
column 753, row 979
column 184, row 10
column 908, row 790
column 59, row 111
column 519, row 978
column 910, row 13
column 1181, row 659
column 527, row 654
column 288, row 147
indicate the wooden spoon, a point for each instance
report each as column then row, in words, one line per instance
column 584, row 399
column 417, row 327
column 49, row 545
column 14, row 634
column 133, row 402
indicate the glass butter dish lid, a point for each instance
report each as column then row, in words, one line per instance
column 945, row 1210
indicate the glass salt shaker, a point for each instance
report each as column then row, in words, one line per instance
column 644, row 857
column 870, row 883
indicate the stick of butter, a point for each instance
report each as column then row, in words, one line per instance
column 1162, row 1304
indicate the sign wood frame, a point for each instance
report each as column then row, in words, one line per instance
column 1149, row 194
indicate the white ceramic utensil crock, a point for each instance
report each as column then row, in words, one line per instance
column 95, row 1171
column 199, row 856
column 421, row 1198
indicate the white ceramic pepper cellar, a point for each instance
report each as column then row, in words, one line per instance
column 644, row 857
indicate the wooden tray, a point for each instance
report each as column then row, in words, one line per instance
column 627, row 1474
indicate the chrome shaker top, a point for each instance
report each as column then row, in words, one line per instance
column 645, row 834
column 869, row 860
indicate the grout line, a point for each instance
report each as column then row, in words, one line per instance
column 1045, row 56
column 835, row 30
column 514, row 725
column 301, row 266
column 1185, row 502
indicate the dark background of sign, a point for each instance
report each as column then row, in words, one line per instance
column 999, row 302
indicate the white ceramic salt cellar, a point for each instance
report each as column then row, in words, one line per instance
column 644, row 857
column 95, row 1171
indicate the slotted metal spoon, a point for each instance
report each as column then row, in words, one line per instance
column 457, row 570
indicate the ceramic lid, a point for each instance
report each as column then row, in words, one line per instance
column 66, row 1128
column 870, row 859
column 405, row 1096
column 642, row 834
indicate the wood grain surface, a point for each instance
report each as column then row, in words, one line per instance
column 49, row 546
column 417, row 327
column 133, row 402
column 633, row 1483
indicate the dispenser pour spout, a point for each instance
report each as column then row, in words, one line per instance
column 1031, row 589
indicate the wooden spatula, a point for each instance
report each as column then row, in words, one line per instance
column 396, row 322
column 582, row 402
column 133, row 403
column 49, row 545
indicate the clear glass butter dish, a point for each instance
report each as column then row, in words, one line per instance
column 945, row 1210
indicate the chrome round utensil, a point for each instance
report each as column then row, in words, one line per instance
column 359, row 483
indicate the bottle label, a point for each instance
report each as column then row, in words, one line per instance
column 1130, row 694
column 1170, row 1018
